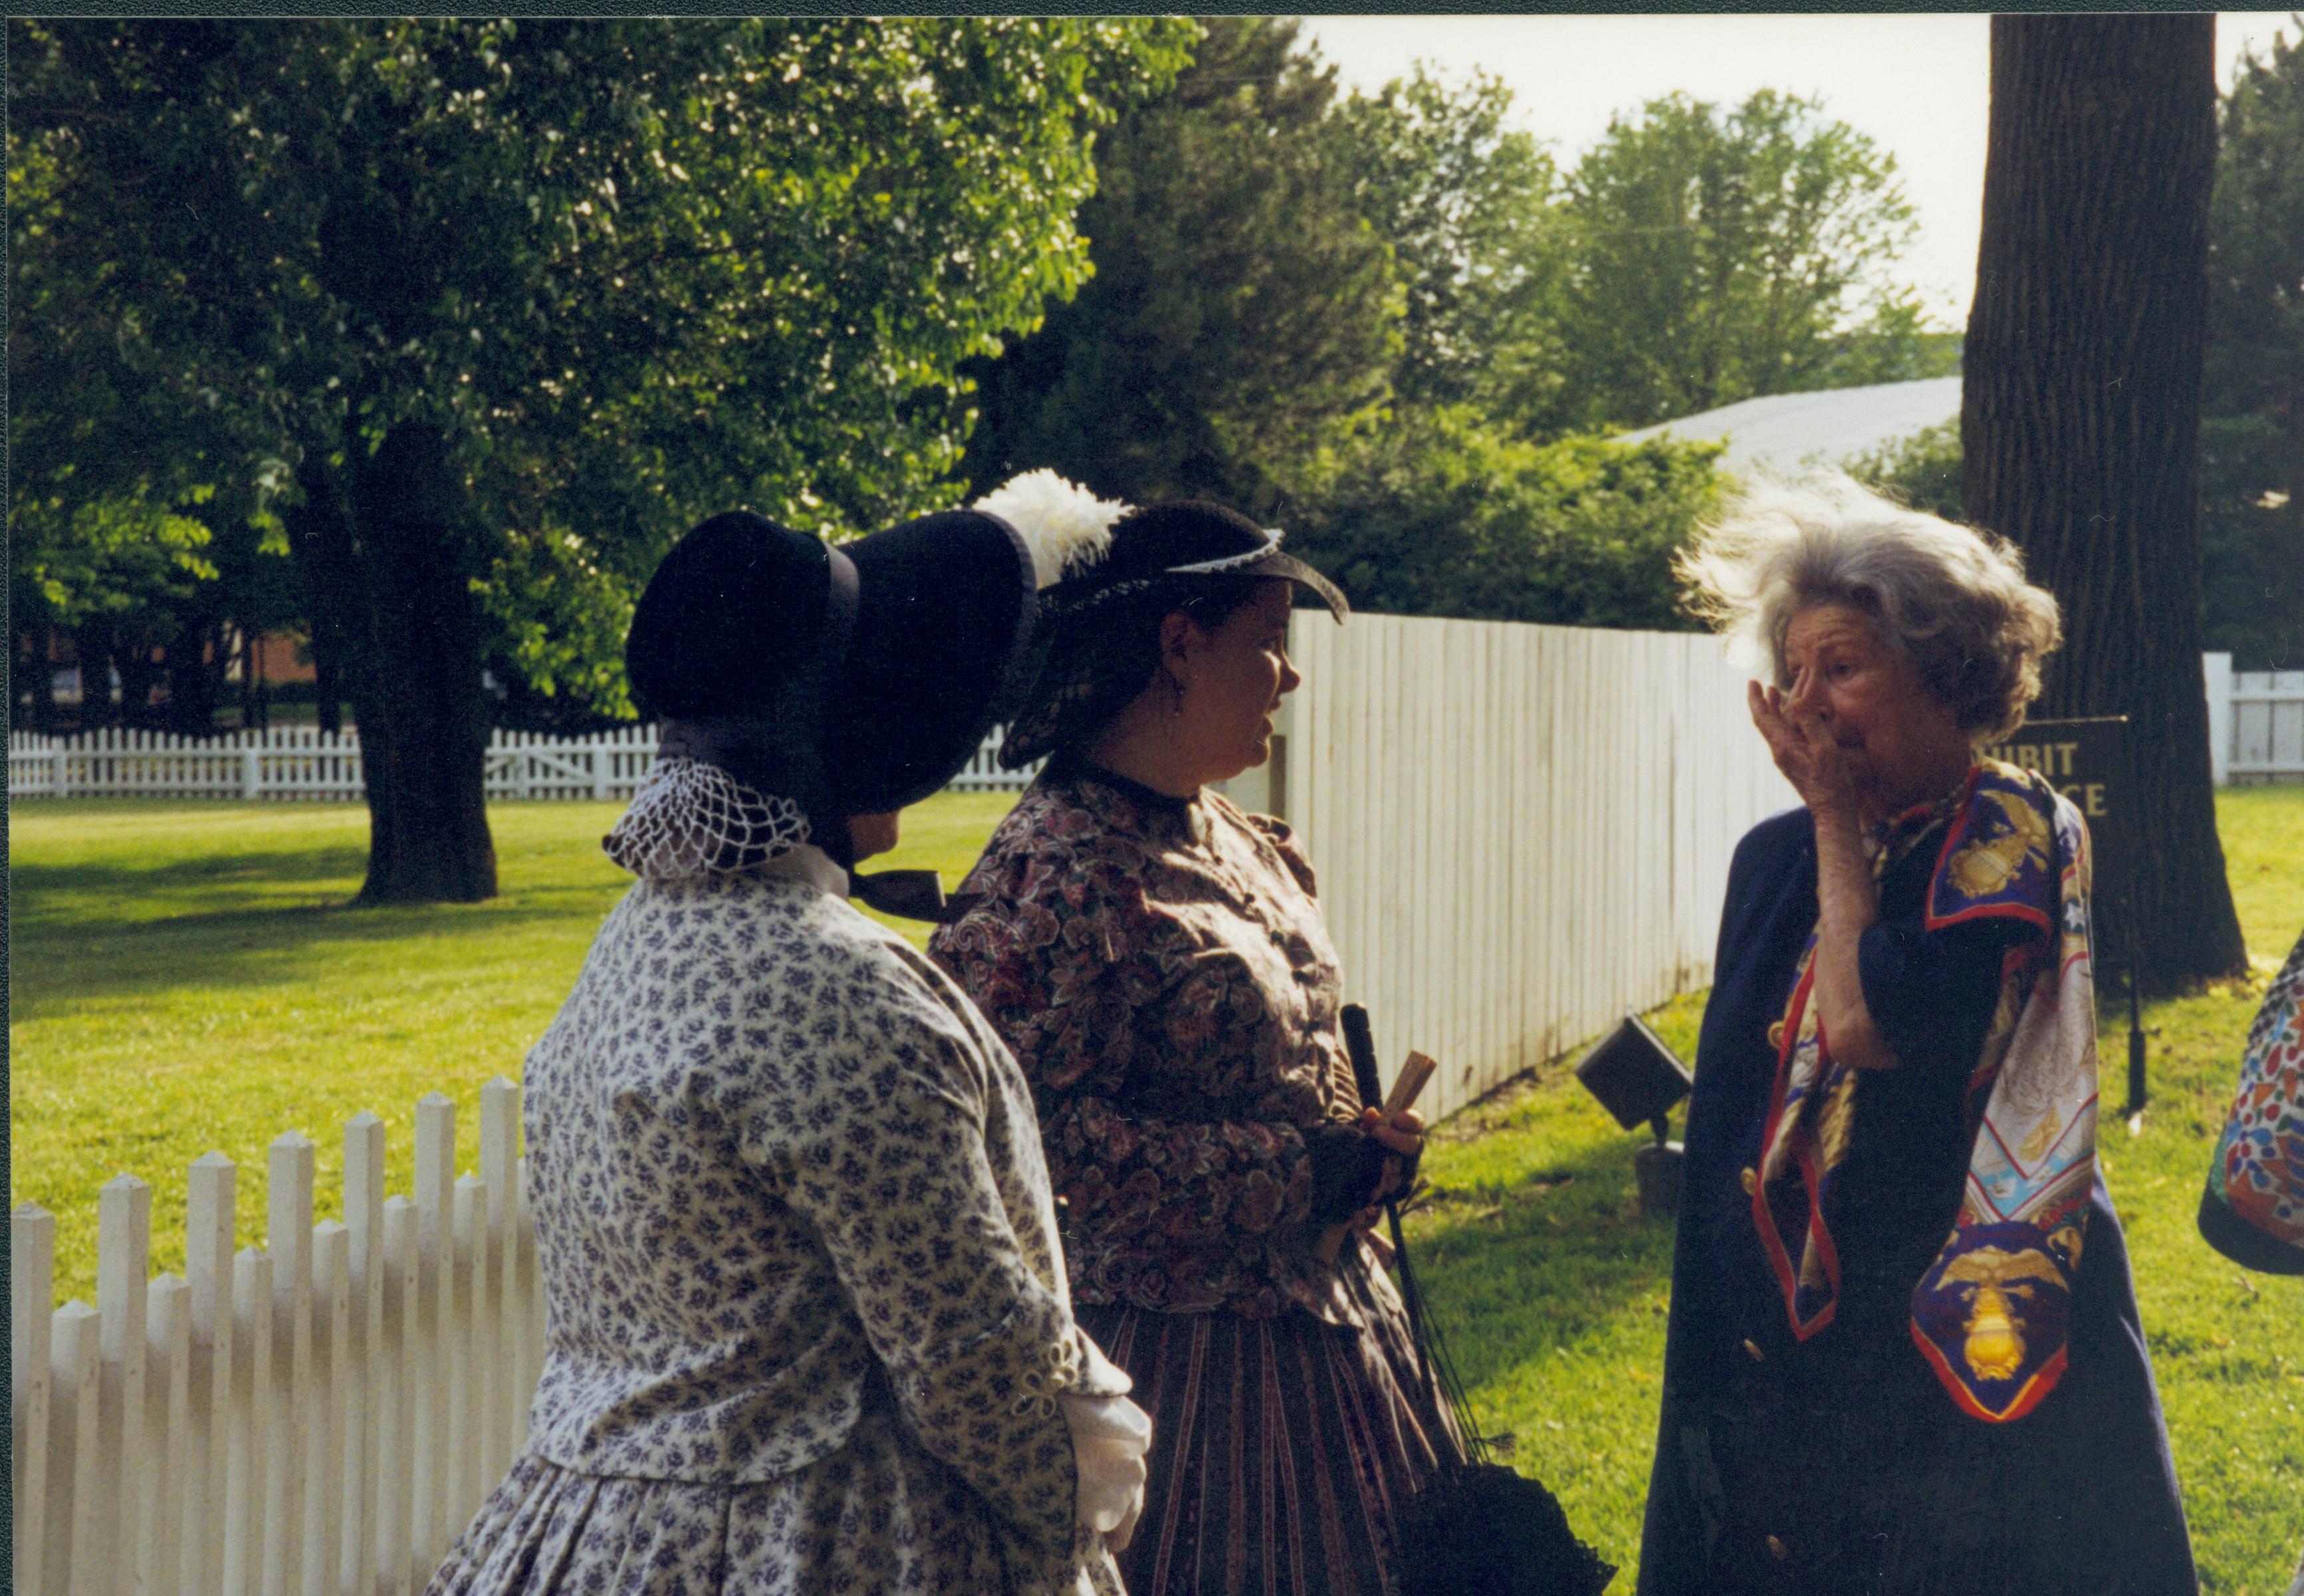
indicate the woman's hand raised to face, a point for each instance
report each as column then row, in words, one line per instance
column 1859, row 734
column 1823, row 773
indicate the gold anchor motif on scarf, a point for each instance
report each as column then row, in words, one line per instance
column 1981, row 869
column 1994, row 1348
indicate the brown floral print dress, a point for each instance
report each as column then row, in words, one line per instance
column 1160, row 970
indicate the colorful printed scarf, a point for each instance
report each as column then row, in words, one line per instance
column 1990, row 1312
column 2253, row 1210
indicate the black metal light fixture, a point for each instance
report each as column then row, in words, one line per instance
column 1639, row 1079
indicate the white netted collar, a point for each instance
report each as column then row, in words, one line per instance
column 690, row 819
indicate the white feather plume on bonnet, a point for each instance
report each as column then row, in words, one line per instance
column 1066, row 526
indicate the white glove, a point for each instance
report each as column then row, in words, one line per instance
column 1110, row 1437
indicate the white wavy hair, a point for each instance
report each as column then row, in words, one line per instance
column 1950, row 600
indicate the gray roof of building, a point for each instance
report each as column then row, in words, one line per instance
column 1789, row 431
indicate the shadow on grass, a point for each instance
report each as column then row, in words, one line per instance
column 61, row 895
column 63, row 964
column 1515, row 1272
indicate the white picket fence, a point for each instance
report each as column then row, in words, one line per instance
column 305, row 763
column 317, row 1417
column 2255, row 722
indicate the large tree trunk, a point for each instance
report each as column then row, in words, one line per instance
column 319, row 540
column 327, row 688
column 255, row 699
column 2081, row 417
column 36, row 669
column 195, row 668
column 139, row 674
column 92, row 640
column 423, row 719
column 385, row 572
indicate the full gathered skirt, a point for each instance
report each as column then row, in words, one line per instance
column 1282, row 1449
column 879, row 1516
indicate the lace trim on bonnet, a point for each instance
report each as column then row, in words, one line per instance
column 689, row 819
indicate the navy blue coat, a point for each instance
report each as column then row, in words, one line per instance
column 1839, row 1464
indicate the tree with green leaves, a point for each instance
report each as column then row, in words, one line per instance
column 1243, row 311
column 1437, row 514
column 120, row 576
column 1921, row 470
column 1718, row 255
column 503, row 306
column 2252, row 429
column 114, row 488
column 1466, row 203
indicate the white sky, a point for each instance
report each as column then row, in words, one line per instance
column 1917, row 85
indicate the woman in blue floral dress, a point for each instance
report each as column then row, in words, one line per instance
column 806, row 1328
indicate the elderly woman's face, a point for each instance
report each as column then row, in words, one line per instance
column 1902, row 738
column 1234, row 676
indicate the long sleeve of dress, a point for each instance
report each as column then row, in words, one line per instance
column 1083, row 1007
column 1176, row 1044
column 888, row 1157
column 1920, row 984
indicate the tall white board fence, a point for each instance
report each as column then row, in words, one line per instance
column 319, row 1416
column 1521, row 832
column 304, row 763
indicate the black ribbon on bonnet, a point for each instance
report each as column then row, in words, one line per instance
column 779, row 748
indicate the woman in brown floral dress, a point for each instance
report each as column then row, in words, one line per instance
column 806, row 1328
column 1155, row 959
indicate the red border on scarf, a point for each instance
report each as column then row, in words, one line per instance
column 1953, row 838
column 1764, row 1217
column 2027, row 1396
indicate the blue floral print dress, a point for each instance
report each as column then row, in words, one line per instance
column 806, row 1317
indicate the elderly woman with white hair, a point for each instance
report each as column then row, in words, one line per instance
column 1903, row 1353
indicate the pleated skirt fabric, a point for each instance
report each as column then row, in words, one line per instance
column 1282, row 1450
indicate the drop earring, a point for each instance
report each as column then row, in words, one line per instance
column 1175, row 712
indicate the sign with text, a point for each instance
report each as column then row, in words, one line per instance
column 2087, row 762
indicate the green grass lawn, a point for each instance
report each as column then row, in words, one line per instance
column 191, row 977
column 188, row 977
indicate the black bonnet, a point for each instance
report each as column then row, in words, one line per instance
column 854, row 680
